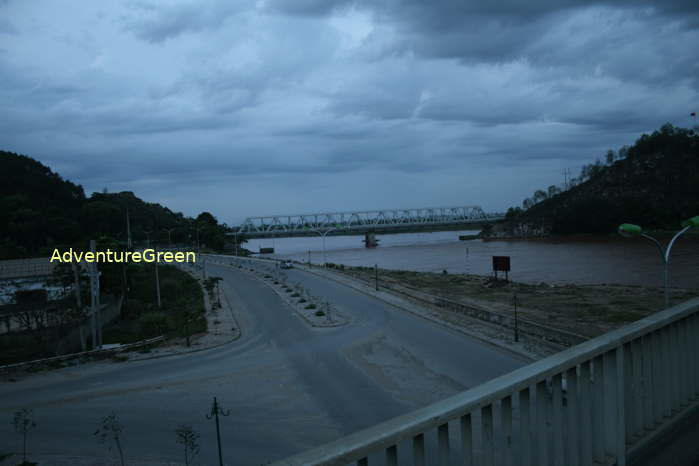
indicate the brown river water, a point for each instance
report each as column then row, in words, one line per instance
column 580, row 260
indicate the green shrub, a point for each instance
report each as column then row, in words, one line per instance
column 311, row 306
column 320, row 313
column 153, row 323
column 133, row 308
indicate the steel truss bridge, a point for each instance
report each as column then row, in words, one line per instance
column 358, row 222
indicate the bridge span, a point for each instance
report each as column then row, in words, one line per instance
column 359, row 222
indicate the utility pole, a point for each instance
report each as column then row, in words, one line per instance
column 157, row 277
column 96, row 319
column 468, row 269
column 169, row 236
column 309, row 258
column 215, row 411
column 78, row 301
column 514, row 301
column 376, row 276
column 129, row 244
column 566, row 177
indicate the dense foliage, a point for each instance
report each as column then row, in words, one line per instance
column 654, row 183
column 40, row 211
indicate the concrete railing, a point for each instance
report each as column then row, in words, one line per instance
column 599, row 402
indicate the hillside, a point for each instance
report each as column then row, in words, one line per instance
column 654, row 183
column 39, row 210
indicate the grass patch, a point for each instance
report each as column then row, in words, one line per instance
column 589, row 310
column 182, row 308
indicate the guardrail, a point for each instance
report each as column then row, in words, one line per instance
column 596, row 403
column 65, row 357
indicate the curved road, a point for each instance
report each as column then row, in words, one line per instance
column 288, row 386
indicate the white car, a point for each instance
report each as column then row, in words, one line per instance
column 287, row 265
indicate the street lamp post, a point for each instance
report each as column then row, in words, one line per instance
column 215, row 411
column 323, row 234
column 629, row 230
column 169, row 236
column 198, row 244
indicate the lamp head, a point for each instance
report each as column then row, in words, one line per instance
column 629, row 230
column 691, row 222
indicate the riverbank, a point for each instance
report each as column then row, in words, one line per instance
column 587, row 310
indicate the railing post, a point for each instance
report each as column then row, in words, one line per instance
column 598, row 407
column 506, row 430
column 620, row 357
column 542, row 424
column 443, row 444
column 585, row 412
column 648, row 381
column 574, row 420
column 674, row 347
column 466, row 440
column 557, row 419
column 487, row 444
column 633, row 389
column 419, row 450
column 392, row 456
column 694, row 350
column 524, row 443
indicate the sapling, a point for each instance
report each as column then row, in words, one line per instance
column 189, row 438
column 24, row 422
column 110, row 428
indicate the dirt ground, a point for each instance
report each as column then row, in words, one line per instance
column 587, row 310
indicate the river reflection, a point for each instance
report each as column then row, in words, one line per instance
column 587, row 260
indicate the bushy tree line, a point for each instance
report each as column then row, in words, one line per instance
column 655, row 183
column 39, row 211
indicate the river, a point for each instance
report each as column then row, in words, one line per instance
column 581, row 260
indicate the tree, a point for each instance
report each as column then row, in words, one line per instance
column 110, row 429
column 185, row 319
column 24, row 422
column 539, row 196
column 610, row 157
column 527, row 203
column 553, row 190
column 189, row 438
column 512, row 213
column 211, row 285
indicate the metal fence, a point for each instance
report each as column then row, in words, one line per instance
column 595, row 403
column 22, row 268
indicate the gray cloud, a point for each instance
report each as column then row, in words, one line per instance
column 310, row 105
column 155, row 22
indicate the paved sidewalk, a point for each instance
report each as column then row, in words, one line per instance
column 488, row 333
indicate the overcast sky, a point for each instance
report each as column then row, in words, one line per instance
column 247, row 108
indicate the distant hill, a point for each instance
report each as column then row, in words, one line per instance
column 39, row 210
column 654, row 183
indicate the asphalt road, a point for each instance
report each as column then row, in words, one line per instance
column 289, row 387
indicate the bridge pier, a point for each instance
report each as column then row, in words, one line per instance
column 370, row 240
